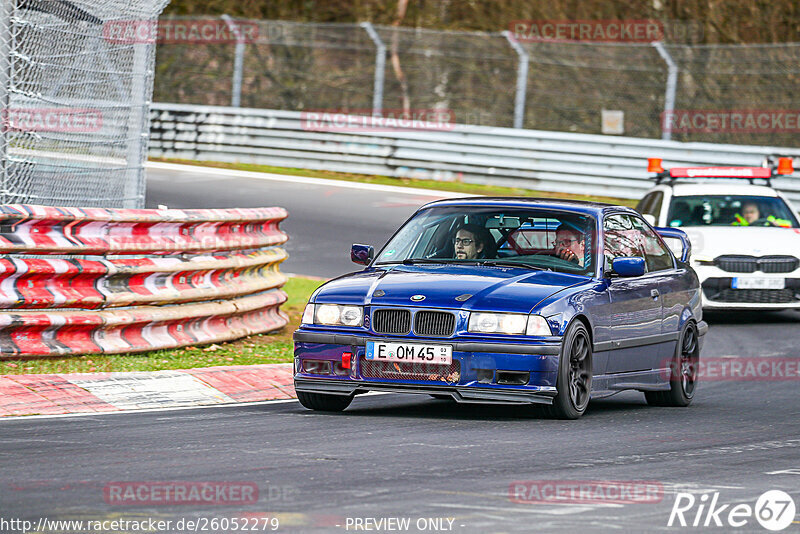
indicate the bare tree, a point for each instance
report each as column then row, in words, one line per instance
column 402, row 7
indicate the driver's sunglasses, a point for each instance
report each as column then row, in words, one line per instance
column 566, row 242
column 466, row 242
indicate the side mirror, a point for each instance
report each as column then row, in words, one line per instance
column 628, row 266
column 677, row 241
column 361, row 254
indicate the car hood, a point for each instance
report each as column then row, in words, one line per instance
column 710, row 242
column 489, row 288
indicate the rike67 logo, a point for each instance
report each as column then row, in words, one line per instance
column 774, row 510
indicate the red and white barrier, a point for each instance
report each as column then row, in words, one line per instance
column 198, row 276
column 28, row 229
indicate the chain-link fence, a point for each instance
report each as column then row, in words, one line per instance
column 682, row 92
column 75, row 84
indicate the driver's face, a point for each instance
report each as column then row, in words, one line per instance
column 750, row 212
column 467, row 247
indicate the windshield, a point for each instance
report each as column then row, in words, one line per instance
column 526, row 238
column 730, row 210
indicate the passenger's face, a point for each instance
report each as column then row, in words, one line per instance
column 570, row 241
column 467, row 247
column 750, row 212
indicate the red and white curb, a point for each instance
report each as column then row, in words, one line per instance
column 112, row 392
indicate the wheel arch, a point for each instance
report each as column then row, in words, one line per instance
column 686, row 316
column 586, row 323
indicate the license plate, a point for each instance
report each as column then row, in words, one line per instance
column 758, row 283
column 409, row 352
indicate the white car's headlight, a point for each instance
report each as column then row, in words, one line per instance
column 497, row 323
column 333, row 315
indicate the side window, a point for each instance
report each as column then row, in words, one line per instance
column 621, row 238
column 644, row 205
column 655, row 206
column 656, row 254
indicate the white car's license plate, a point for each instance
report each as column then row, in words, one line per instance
column 758, row 283
column 409, row 352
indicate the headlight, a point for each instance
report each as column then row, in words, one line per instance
column 497, row 323
column 333, row 314
column 538, row 326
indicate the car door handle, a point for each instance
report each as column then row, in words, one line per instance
column 654, row 293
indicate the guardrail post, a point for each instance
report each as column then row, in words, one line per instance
column 672, row 83
column 238, row 62
column 6, row 73
column 380, row 67
column 522, row 80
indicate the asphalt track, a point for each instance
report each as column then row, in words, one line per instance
column 324, row 220
column 407, row 456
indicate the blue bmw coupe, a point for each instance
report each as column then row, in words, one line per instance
column 508, row 300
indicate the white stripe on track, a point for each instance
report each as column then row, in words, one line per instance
column 325, row 182
column 169, row 409
column 152, row 390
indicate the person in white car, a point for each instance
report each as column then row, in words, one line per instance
column 751, row 215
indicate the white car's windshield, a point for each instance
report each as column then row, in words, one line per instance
column 527, row 238
column 730, row 210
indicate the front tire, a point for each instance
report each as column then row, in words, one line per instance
column 574, row 382
column 682, row 371
column 322, row 402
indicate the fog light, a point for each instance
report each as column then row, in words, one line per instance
column 317, row 367
column 339, row 370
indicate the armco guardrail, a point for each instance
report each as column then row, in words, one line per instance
column 532, row 159
column 134, row 280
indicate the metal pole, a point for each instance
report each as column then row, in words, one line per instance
column 380, row 67
column 137, row 126
column 672, row 84
column 522, row 80
column 6, row 79
column 238, row 62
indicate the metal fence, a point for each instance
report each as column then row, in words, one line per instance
column 74, row 101
column 533, row 159
column 490, row 79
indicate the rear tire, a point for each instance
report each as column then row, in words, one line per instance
column 574, row 382
column 322, row 402
column 683, row 372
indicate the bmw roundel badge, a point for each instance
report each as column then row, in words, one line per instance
column 417, row 298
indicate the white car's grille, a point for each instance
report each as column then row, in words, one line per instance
column 751, row 264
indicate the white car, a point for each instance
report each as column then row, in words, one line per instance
column 745, row 237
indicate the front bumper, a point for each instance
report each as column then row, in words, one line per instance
column 482, row 371
column 460, row 394
column 718, row 293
